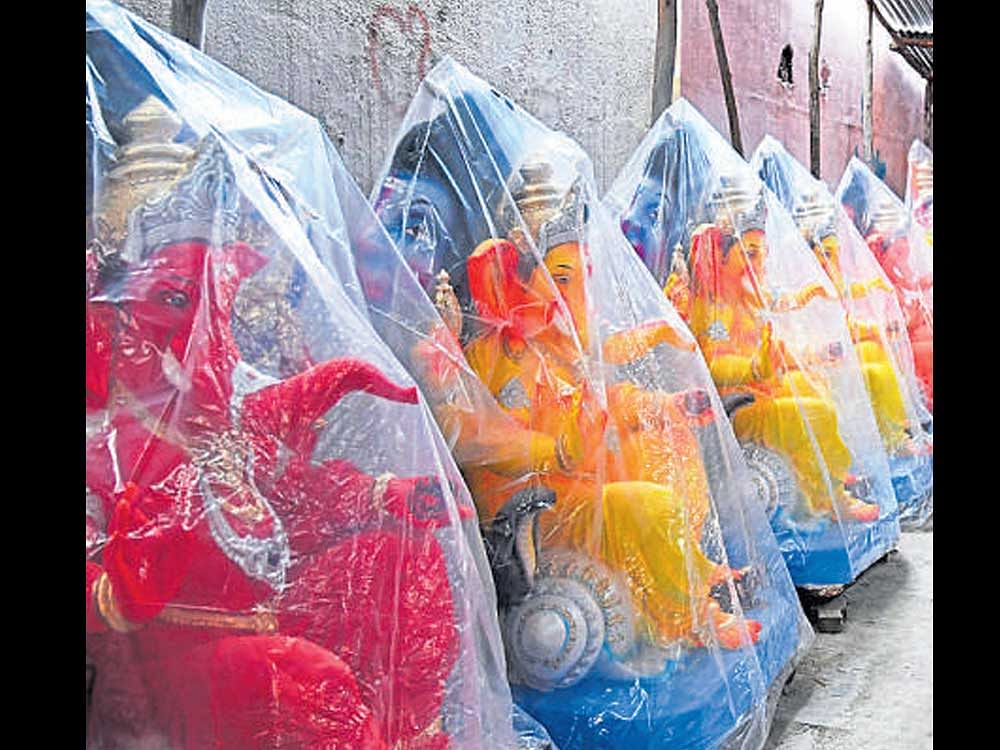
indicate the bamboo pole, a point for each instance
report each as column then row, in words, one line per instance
column 929, row 114
column 727, row 79
column 867, row 147
column 187, row 21
column 665, row 55
column 814, row 113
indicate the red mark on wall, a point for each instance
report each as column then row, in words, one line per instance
column 414, row 26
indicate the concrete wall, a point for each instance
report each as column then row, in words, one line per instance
column 583, row 66
column 755, row 32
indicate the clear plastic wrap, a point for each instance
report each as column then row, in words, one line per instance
column 901, row 248
column 920, row 190
column 775, row 335
column 877, row 325
column 280, row 550
column 644, row 601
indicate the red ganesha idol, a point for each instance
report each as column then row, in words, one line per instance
column 241, row 592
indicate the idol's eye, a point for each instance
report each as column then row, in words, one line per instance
column 174, row 298
column 562, row 279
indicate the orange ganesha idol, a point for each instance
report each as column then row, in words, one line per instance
column 877, row 325
column 635, row 588
column 774, row 334
column 529, row 359
column 791, row 410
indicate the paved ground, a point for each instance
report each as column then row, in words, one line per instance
column 870, row 686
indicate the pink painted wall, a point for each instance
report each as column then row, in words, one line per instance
column 755, row 32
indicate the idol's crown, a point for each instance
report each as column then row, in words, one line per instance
column 147, row 164
column 739, row 204
column 886, row 218
column 923, row 178
column 553, row 213
column 203, row 205
column 815, row 217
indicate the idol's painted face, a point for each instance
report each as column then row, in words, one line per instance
column 172, row 309
column 417, row 211
column 157, row 305
column 566, row 267
column 828, row 254
column 163, row 300
column 747, row 255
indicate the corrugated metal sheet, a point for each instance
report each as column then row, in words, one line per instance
column 910, row 21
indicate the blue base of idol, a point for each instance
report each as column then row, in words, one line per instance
column 701, row 698
column 695, row 703
column 827, row 552
column 913, row 483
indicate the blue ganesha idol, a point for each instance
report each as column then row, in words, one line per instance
column 643, row 599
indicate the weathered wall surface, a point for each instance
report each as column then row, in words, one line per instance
column 582, row 66
column 755, row 33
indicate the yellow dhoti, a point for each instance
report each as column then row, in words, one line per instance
column 886, row 397
column 801, row 425
column 645, row 531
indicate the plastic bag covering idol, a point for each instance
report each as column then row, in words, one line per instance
column 901, row 248
column 643, row 600
column 920, row 191
column 772, row 327
column 280, row 549
column 877, row 325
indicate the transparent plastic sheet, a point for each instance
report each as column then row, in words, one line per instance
column 920, row 190
column 877, row 325
column 901, row 248
column 776, row 339
column 643, row 599
column 280, row 549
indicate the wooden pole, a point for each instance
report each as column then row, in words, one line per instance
column 814, row 118
column 187, row 21
column 929, row 114
column 664, row 56
column 867, row 149
column 727, row 79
